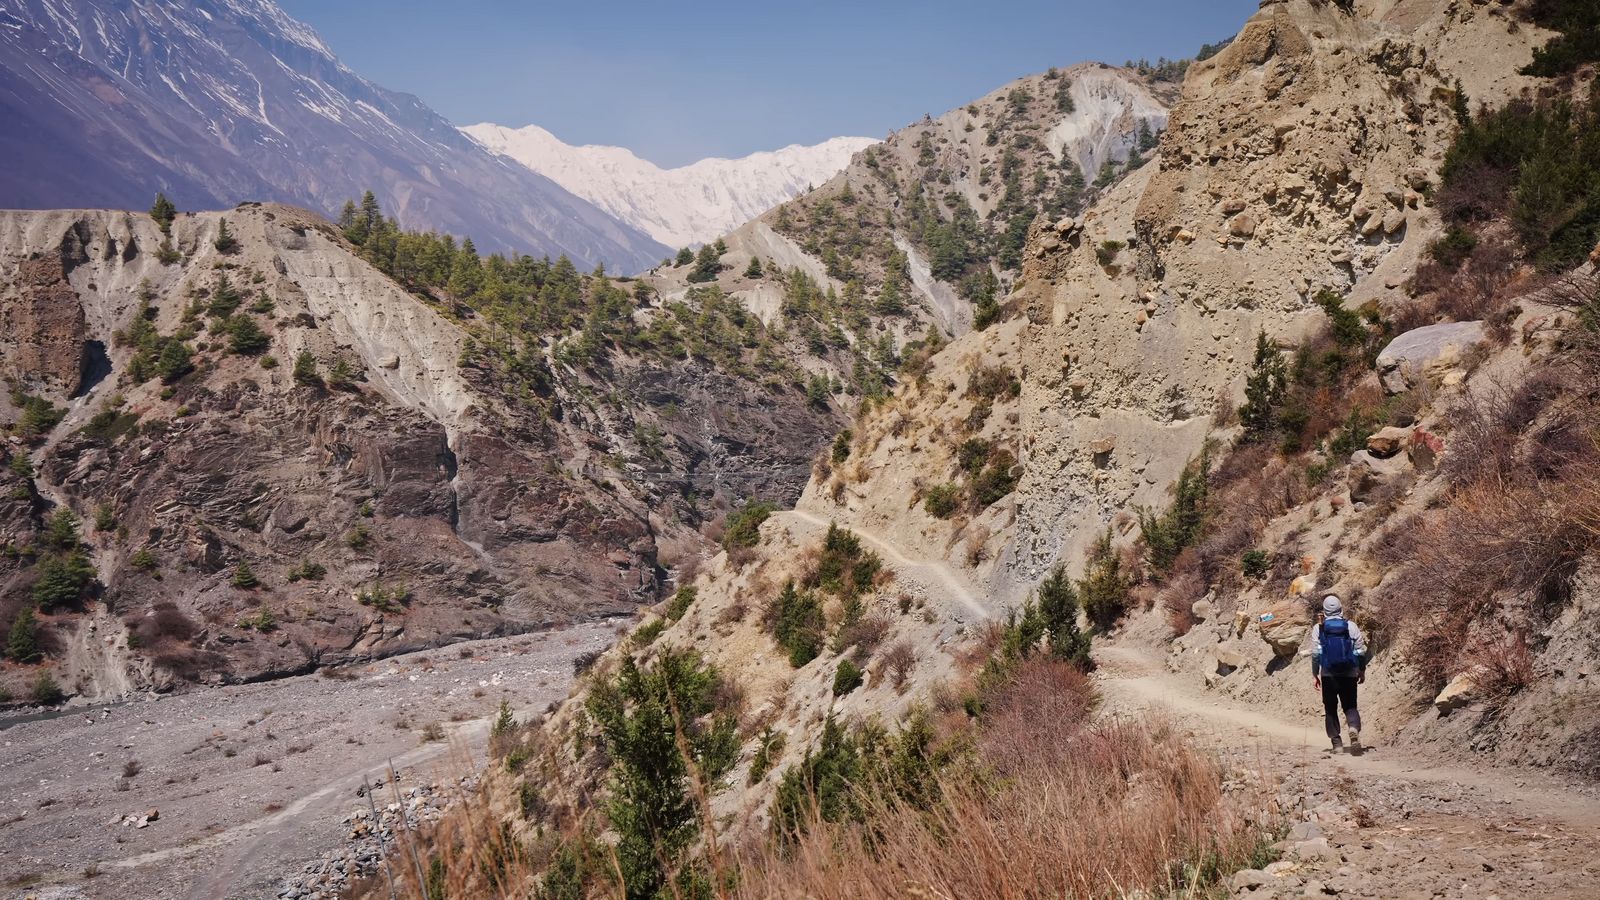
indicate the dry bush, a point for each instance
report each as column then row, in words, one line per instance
column 822, row 465
column 864, row 634
column 1054, row 807
column 1481, row 288
column 1507, row 666
column 165, row 623
column 899, row 661
column 688, row 569
column 1033, row 716
column 732, row 614
column 1250, row 487
column 984, row 644
column 1179, row 594
column 977, row 543
column 1501, row 537
column 1487, row 427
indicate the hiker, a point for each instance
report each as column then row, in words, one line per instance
column 1338, row 664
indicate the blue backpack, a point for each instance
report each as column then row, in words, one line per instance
column 1338, row 648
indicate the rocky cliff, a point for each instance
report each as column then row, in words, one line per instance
column 277, row 459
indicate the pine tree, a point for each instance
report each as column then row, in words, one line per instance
column 225, row 242
column 1264, row 390
column 466, row 273
column 245, row 337
column 23, row 645
column 504, row 721
column 684, row 257
column 754, row 269
column 1064, row 102
column 62, row 531
column 163, row 212
column 1104, row 588
column 1167, row 535
column 1147, row 138
column 62, row 579
column 225, row 298
column 1058, row 607
column 174, row 361
column 305, row 369
column 244, row 578
column 706, row 265
column 341, row 375
column 1461, row 106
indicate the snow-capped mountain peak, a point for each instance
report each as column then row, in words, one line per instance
column 687, row 205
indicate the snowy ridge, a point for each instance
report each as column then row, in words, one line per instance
column 683, row 206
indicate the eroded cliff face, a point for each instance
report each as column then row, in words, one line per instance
column 382, row 496
column 1299, row 159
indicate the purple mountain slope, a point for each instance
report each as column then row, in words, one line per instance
column 105, row 102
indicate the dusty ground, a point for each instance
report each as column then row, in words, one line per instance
column 251, row 781
column 1388, row 823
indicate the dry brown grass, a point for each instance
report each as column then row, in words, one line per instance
column 1047, row 802
column 1498, row 555
column 1054, row 807
column 1481, row 288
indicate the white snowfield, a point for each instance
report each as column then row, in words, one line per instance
column 679, row 207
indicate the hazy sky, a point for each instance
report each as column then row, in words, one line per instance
column 679, row 81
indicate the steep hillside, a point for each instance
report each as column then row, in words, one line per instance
column 220, row 101
column 930, row 223
column 1338, row 335
column 237, row 450
column 685, row 206
column 919, row 238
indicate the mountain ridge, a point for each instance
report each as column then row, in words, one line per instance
column 223, row 101
column 679, row 205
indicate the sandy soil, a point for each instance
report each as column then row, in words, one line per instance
column 250, row 781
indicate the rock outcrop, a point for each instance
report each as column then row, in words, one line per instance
column 1426, row 354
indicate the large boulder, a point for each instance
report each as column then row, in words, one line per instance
column 1388, row 441
column 1284, row 626
column 1368, row 472
column 1463, row 690
column 1425, row 352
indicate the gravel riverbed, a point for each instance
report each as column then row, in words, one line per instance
column 234, row 792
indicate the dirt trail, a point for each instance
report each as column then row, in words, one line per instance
column 1387, row 823
column 939, row 571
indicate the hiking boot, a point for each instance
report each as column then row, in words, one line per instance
column 1337, row 745
column 1355, row 739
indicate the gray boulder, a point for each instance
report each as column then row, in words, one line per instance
column 1423, row 351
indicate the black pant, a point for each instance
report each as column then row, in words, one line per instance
column 1337, row 691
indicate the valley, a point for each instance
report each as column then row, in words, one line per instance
column 1173, row 479
column 253, row 783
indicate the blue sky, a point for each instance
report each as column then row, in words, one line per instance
column 679, row 81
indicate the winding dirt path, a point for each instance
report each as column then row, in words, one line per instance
column 1395, row 823
column 936, row 571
